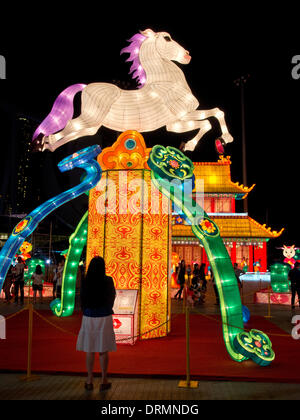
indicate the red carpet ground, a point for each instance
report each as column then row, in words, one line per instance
column 54, row 351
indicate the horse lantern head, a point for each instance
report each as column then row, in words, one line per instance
column 167, row 47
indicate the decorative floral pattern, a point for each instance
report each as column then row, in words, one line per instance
column 178, row 220
column 170, row 163
column 255, row 345
column 206, row 227
column 22, row 225
column 174, row 164
column 129, row 152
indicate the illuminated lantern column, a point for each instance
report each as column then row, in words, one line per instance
column 130, row 227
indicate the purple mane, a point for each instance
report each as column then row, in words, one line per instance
column 134, row 49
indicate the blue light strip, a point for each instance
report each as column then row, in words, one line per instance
column 264, row 277
column 217, row 214
column 228, row 214
column 84, row 160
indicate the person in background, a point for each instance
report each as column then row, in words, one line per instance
column 97, row 333
column 59, row 276
column 196, row 274
column 189, row 273
column 54, row 281
column 294, row 278
column 215, row 289
column 19, row 281
column 202, row 276
column 181, row 279
column 37, row 283
column 238, row 273
column 7, row 284
column 197, row 297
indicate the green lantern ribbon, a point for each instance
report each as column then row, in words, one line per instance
column 169, row 164
column 64, row 307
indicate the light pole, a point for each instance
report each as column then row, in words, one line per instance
column 240, row 82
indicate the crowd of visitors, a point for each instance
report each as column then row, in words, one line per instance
column 196, row 280
column 13, row 285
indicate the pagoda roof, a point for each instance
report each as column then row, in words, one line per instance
column 217, row 178
column 233, row 227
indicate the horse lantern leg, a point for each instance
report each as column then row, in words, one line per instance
column 193, row 120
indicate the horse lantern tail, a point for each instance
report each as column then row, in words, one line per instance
column 61, row 113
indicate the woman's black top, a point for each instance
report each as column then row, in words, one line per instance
column 98, row 303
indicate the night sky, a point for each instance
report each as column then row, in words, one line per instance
column 39, row 68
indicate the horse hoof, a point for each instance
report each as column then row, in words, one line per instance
column 37, row 145
column 220, row 146
column 182, row 147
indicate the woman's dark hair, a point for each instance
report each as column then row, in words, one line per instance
column 96, row 286
column 38, row 270
column 96, row 270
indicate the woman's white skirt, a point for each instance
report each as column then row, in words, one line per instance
column 96, row 335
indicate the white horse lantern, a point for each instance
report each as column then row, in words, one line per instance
column 162, row 99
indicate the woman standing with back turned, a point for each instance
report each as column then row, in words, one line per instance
column 97, row 333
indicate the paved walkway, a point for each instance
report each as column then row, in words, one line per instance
column 71, row 387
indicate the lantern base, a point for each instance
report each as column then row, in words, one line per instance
column 190, row 385
column 31, row 378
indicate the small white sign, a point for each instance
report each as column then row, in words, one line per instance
column 125, row 302
column 123, row 326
